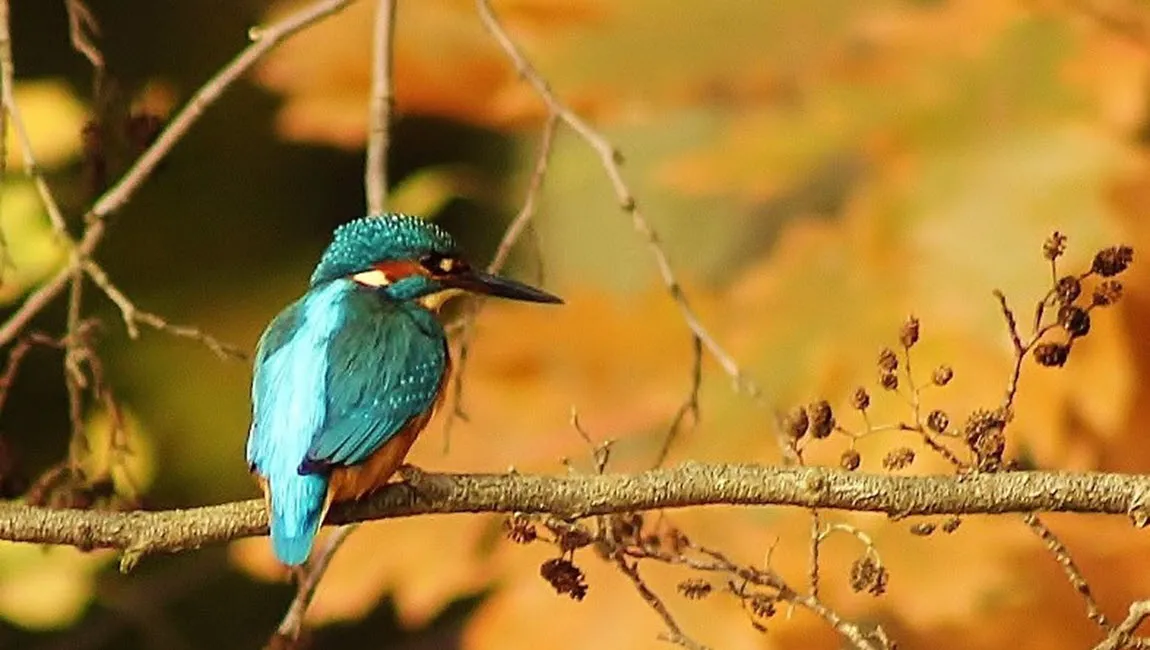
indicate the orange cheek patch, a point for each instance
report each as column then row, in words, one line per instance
column 385, row 273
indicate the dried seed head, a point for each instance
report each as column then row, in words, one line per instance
column 627, row 527
column 951, row 524
column 982, row 421
column 574, row 538
column 1106, row 293
column 984, row 433
column 519, row 529
column 565, row 577
column 922, row 529
column 1074, row 320
column 762, row 606
column 695, row 588
column 1067, row 290
column 822, row 419
column 1054, row 246
column 796, row 423
column 898, row 458
column 850, row 460
column 1051, row 354
column 908, row 334
column 942, row 375
column 937, row 421
column 1109, row 262
column 887, row 360
column 888, row 380
column 867, row 574
column 860, row 399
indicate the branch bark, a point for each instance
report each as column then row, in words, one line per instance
column 690, row 484
column 382, row 104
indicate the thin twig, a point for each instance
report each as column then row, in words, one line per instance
column 510, row 236
column 1049, row 539
column 142, row 168
column 1122, row 636
column 739, row 577
column 611, row 161
column 293, row 620
column 16, row 356
column 263, row 41
column 382, row 103
column 8, row 96
column 1069, row 567
column 133, row 317
column 816, row 539
column 5, row 64
column 82, row 26
column 674, row 633
column 1021, row 348
column 690, row 405
column 75, row 352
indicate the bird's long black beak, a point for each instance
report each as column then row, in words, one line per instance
column 495, row 285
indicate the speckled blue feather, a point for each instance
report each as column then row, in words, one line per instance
column 338, row 374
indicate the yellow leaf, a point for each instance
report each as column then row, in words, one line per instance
column 54, row 118
column 33, row 250
column 46, row 588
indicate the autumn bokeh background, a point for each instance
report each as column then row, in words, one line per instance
column 817, row 170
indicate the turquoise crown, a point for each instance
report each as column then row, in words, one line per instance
column 358, row 244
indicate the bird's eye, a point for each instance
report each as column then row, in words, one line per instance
column 439, row 264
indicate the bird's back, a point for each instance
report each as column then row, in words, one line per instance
column 341, row 377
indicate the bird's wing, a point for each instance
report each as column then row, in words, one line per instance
column 275, row 337
column 383, row 371
column 288, row 400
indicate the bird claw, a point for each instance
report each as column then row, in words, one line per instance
column 425, row 485
column 411, row 475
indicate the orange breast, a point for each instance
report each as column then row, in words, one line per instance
column 352, row 482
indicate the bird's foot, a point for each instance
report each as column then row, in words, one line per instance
column 425, row 485
column 411, row 474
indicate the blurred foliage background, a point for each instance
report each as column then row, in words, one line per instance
column 817, row 170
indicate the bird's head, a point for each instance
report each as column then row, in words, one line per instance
column 408, row 258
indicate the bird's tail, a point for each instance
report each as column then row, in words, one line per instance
column 297, row 509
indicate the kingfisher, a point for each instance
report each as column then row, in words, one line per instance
column 347, row 376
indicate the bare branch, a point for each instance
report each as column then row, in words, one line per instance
column 611, row 161
column 690, row 484
column 1122, row 636
column 690, row 405
column 125, row 188
column 81, row 26
column 293, row 621
column 674, row 633
column 263, row 41
column 514, row 230
column 8, row 96
column 134, row 317
column 382, row 103
column 1069, row 567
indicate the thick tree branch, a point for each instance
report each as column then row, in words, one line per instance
column 690, row 484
